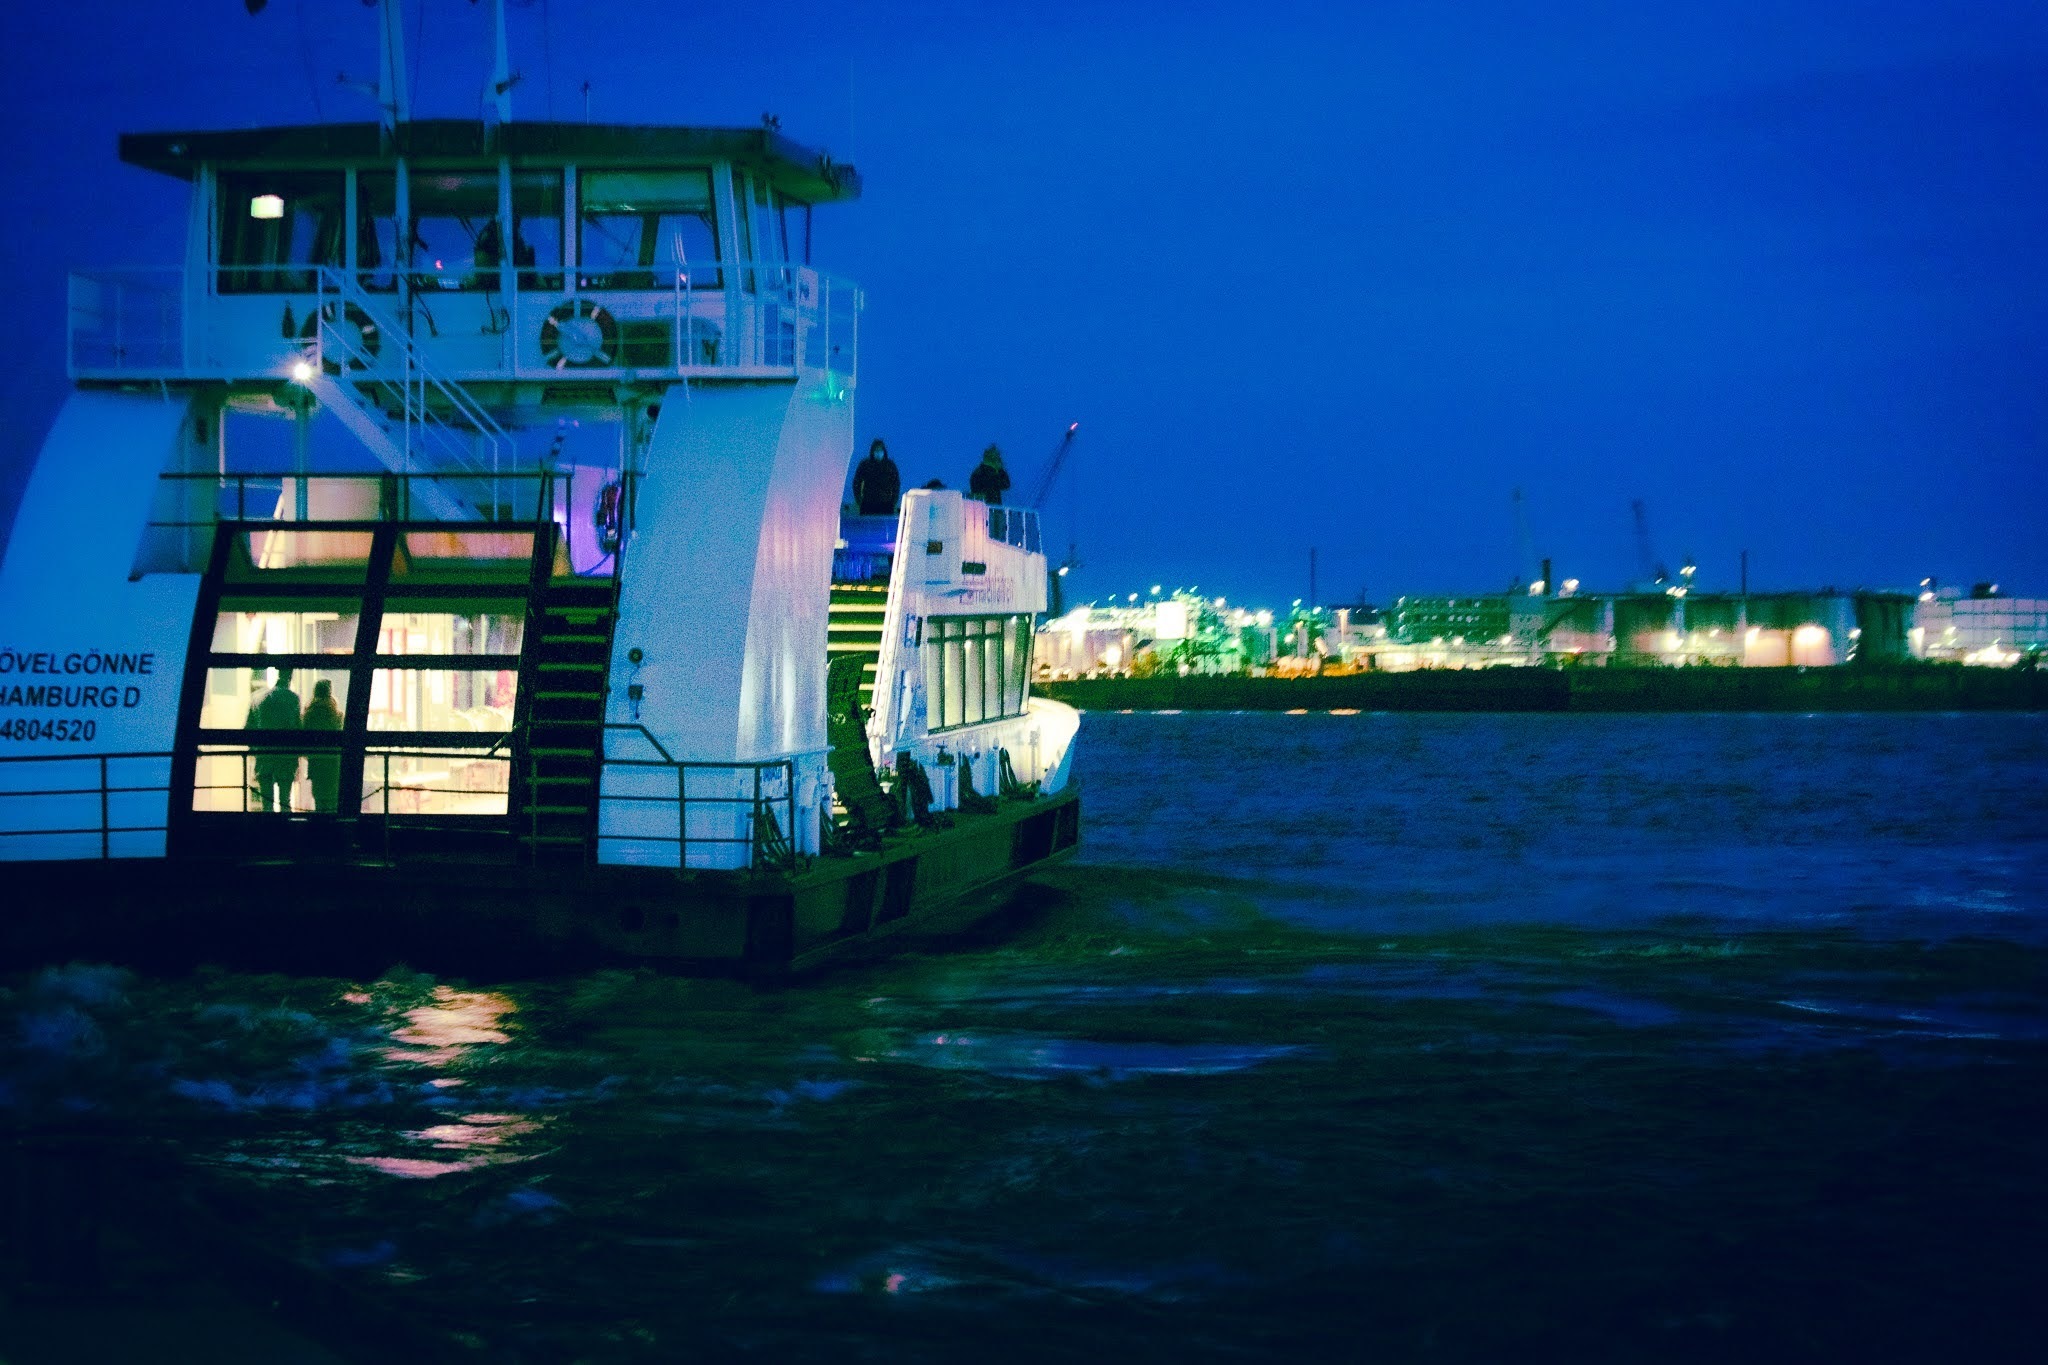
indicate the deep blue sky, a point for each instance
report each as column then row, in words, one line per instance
column 1332, row 275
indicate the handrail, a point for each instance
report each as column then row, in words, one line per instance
column 771, row 846
column 418, row 374
column 105, row 790
column 389, row 508
column 172, row 323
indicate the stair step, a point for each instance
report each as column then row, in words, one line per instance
column 561, row 753
column 571, row 665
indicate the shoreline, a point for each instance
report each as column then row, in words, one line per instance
column 1845, row 688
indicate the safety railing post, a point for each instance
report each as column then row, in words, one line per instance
column 682, row 818
column 105, row 820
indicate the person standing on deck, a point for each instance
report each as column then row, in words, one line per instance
column 876, row 482
column 323, row 766
column 989, row 478
column 276, row 770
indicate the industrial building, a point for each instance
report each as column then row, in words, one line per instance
column 1982, row 626
column 1655, row 625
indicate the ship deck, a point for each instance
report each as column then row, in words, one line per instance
column 447, row 913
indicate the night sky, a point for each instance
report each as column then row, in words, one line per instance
column 1331, row 275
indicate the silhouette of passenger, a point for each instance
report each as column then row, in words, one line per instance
column 876, row 483
column 989, row 478
column 276, row 770
column 323, row 766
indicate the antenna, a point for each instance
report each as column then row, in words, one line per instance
column 1523, row 554
column 394, row 98
column 502, row 79
column 1652, row 570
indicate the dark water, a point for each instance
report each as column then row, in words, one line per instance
column 1352, row 1037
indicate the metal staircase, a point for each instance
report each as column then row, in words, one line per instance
column 854, row 627
column 367, row 369
column 569, row 656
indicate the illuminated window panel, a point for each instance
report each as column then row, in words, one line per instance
column 285, row 632
column 499, row 631
column 341, row 555
column 435, row 782
column 472, row 700
column 974, row 668
column 502, row 556
column 276, row 698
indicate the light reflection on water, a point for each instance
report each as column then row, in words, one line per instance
column 442, row 1031
column 1309, row 1013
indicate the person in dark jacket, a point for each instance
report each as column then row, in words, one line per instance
column 323, row 766
column 276, row 769
column 876, row 484
column 989, row 478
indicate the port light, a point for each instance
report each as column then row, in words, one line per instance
column 267, row 206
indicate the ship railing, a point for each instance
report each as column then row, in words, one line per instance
column 193, row 500
column 114, row 805
column 346, row 341
column 111, row 805
column 435, row 331
column 689, row 814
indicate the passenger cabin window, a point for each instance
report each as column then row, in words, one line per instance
column 644, row 229
column 974, row 668
column 271, row 221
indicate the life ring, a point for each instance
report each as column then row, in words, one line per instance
column 578, row 334
column 355, row 329
column 607, row 516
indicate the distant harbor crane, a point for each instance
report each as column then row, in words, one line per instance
column 1055, row 587
column 1654, row 574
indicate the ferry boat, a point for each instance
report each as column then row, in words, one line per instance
column 384, row 582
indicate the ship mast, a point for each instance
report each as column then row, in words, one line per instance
column 394, row 97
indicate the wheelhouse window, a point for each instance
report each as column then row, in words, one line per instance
column 456, row 240
column 782, row 226
column 273, row 226
column 377, row 240
column 643, row 229
column 537, row 228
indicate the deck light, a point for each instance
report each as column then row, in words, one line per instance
column 267, row 206
column 302, row 371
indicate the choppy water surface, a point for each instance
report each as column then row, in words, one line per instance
column 1463, row 1037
